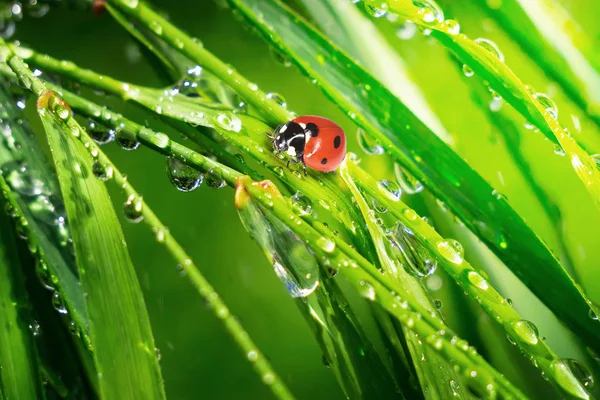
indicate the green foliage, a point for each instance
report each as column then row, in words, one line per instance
column 351, row 248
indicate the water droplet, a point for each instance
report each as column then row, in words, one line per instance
column 491, row 47
column 327, row 245
column 451, row 250
column 301, row 204
column 390, row 189
column 430, row 11
column 156, row 27
column 437, row 303
column 526, row 331
column 101, row 171
column 455, row 388
column 453, row 27
column 573, row 376
column 558, row 150
column 252, row 356
column 127, row 143
column 547, row 104
column 407, row 30
column 406, row 180
column 229, row 122
column 378, row 207
column 133, row 208
column 58, row 304
column 214, row 181
column 376, row 8
column 367, row 144
column 131, row 3
column 467, row 71
column 100, row 133
column 277, row 98
column 416, row 257
column 182, row 176
column 157, row 139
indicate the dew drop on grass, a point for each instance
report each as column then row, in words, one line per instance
column 100, row 133
column 378, row 207
column 406, row 30
column 277, row 98
column 430, row 10
column 133, row 208
column 376, row 8
column 214, row 181
column 558, row 150
column 326, row 244
column 548, row 104
column 437, row 303
column 58, row 304
column 408, row 183
column 127, row 143
column 131, row 3
column 252, row 356
column 467, row 71
column 526, row 331
column 101, row 171
column 453, row 27
column 390, row 189
column 158, row 139
column 301, row 204
column 573, row 376
column 367, row 290
column 184, row 177
column 367, row 144
column 451, row 250
column 491, row 47
column 416, row 256
column 229, row 122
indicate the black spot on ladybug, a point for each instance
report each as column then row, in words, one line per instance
column 324, row 161
column 337, row 141
column 313, row 129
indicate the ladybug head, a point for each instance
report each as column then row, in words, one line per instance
column 289, row 135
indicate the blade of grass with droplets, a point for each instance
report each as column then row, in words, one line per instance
column 373, row 286
column 346, row 349
column 485, row 59
column 126, row 363
column 480, row 290
column 436, row 166
column 36, row 191
column 20, row 377
column 554, row 39
column 435, row 376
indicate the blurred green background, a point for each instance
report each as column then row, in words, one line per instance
column 198, row 359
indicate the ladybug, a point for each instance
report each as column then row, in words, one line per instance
column 314, row 141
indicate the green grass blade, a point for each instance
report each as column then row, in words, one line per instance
column 487, row 62
column 127, row 365
column 429, row 159
column 19, row 373
column 554, row 39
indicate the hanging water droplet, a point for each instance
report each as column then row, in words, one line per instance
column 548, row 104
column 127, row 143
column 293, row 286
column 367, row 144
column 416, row 257
column 573, row 376
column 58, row 304
column 526, row 331
column 214, row 181
column 408, row 183
column 437, row 303
column 451, row 250
column 182, row 176
column 407, row 30
column 101, row 171
column 467, row 71
column 376, row 8
column 100, row 133
column 277, row 98
column 390, row 189
column 301, row 204
column 491, row 47
column 229, row 122
column 133, row 208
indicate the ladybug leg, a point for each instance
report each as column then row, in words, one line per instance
column 287, row 164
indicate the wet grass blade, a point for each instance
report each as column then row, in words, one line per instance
column 470, row 197
column 126, row 363
column 20, row 377
column 554, row 39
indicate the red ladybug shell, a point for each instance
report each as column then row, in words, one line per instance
column 325, row 151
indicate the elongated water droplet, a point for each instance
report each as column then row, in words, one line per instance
column 476, row 279
column 451, row 250
column 526, row 331
column 133, row 208
column 548, row 104
column 416, row 257
column 376, row 8
column 367, row 144
column 229, row 122
column 491, row 47
column 58, row 304
column 301, row 204
column 408, row 183
column 367, row 290
column 573, row 376
column 277, row 98
column 326, row 244
column 390, row 189
column 182, row 176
